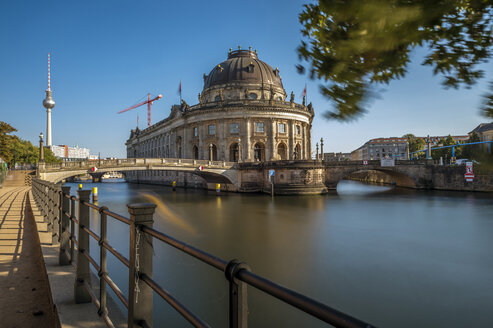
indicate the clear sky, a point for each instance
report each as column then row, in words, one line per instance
column 107, row 55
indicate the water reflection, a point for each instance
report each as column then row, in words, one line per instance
column 394, row 257
column 354, row 188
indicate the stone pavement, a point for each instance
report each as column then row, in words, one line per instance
column 25, row 295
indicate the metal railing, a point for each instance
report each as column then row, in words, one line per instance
column 59, row 208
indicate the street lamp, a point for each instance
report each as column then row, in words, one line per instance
column 210, row 152
column 41, row 148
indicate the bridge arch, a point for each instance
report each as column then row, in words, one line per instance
column 370, row 173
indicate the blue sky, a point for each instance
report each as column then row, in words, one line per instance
column 106, row 55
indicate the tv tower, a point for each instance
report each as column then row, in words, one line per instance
column 48, row 103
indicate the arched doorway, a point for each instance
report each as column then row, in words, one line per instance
column 212, row 152
column 297, row 152
column 195, row 152
column 259, row 152
column 282, row 151
column 234, row 152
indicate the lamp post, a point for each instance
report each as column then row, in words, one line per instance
column 322, row 148
column 316, row 156
column 41, row 148
column 210, row 152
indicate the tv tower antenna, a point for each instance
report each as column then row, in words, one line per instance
column 48, row 103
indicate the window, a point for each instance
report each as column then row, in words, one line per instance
column 212, row 129
column 234, row 128
column 282, row 128
column 195, row 132
column 298, row 129
column 259, row 127
column 252, row 96
column 218, row 98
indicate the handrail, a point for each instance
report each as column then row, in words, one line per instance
column 54, row 202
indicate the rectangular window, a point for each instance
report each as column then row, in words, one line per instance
column 234, row 128
column 212, row 129
column 259, row 127
column 282, row 128
column 298, row 130
column 195, row 132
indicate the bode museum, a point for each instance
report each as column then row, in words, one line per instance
column 243, row 113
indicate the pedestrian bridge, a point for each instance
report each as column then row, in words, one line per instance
column 211, row 171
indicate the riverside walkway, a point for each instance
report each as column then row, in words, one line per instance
column 25, row 296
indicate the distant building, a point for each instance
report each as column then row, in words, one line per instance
column 70, row 153
column 484, row 131
column 337, row 157
column 382, row 148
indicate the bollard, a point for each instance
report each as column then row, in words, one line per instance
column 173, row 184
column 139, row 294
column 83, row 272
column 218, row 188
column 63, row 258
column 94, row 194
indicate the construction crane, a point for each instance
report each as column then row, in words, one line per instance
column 149, row 102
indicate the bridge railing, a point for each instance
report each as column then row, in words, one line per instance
column 59, row 208
column 106, row 163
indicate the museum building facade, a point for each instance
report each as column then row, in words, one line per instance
column 243, row 114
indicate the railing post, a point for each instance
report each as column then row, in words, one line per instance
column 55, row 237
column 103, row 271
column 72, row 229
column 63, row 258
column 238, row 300
column 139, row 294
column 83, row 272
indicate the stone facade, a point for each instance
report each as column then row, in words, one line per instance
column 243, row 115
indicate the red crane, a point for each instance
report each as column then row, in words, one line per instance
column 149, row 102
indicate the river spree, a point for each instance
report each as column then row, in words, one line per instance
column 394, row 258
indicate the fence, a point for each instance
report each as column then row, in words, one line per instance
column 59, row 208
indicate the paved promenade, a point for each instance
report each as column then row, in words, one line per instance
column 25, row 296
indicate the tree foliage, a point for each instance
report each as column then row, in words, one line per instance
column 351, row 45
column 15, row 150
column 415, row 144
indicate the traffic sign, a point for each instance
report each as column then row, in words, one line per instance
column 272, row 173
column 94, row 169
column 201, row 168
column 365, row 162
column 469, row 176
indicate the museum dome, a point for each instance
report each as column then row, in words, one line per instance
column 243, row 68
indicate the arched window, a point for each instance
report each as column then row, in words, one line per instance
column 282, row 151
column 234, row 152
column 259, row 152
column 252, row 96
column 297, row 152
column 195, row 152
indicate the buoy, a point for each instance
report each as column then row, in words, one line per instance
column 174, row 185
column 80, row 186
column 218, row 188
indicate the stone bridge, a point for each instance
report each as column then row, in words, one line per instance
column 210, row 171
column 291, row 177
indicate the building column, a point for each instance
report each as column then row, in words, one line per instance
column 184, row 146
column 203, row 153
column 272, row 145
column 309, row 134
column 247, row 152
column 306, row 151
column 291, row 145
